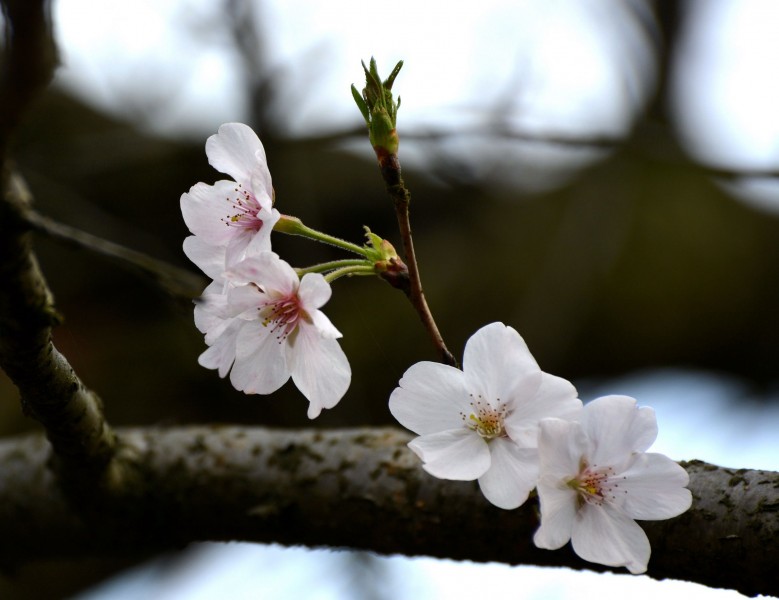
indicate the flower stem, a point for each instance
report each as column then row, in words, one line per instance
column 334, row 264
column 349, row 271
column 390, row 172
column 294, row 226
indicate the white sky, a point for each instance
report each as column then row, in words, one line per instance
column 573, row 66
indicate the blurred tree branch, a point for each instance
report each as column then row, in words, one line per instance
column 357, row 488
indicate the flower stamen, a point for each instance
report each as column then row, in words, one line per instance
column 485, row 419
column 245, row 210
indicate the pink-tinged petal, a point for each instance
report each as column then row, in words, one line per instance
column 236, row 150
column 260, row 238
column 206, row 208
column 319, row 368
column 498, row 365
column 556, row 397
column 261, row 179
column 237, row 247
column 314, row 291
column 654, row 488
column 617, row 428
column 512, row 474
column 244, row 300
column 267, row 271
column 607, row 536
column 431, row 398
column 561, row 446
column 458, row 454
column 208, row 258
column 210, row 307
column 260, row 364
column 221, row 354
column 558, row 511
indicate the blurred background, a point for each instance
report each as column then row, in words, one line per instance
column 599, row 174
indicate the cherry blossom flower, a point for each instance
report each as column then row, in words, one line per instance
column 263, row 325
column 236, row 214
column 596, row 478
column 482, row 422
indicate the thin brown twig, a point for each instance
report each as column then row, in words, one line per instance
column 390, row 172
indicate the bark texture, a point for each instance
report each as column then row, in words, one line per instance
column 358, row 488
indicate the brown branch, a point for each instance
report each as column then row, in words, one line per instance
column 358, row 488
column 50, row 391
column 179, row 283
column 401, row 198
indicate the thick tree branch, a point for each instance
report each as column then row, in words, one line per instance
column 50, row 391
column 358, row 488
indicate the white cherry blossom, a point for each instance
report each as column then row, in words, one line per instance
column 482, row 422
column 238, row 215
column 263, row 325
column 596, row 478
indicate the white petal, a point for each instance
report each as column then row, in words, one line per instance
column 314, row 291
column 617, row 428
column 431, row 398
column 209, row 258
column 512, row 474
column 556, row 397
column 324, row 326
column 221, row 354
column 236, row 150
column 205, row 207
column 456, row 454
column 606, row 535
column 654, row 488
column 498, row 365
column 558, row 511
column 266, row 270
column 561, row 446
column 242, row 299
column 260, row 365
column 238, row 245
column 319, row 369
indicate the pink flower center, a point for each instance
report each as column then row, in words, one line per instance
column 244, row 210
column 596, row 485
column 485, row 419
column 283, row 315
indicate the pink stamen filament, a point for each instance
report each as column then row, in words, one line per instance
column 246, row 210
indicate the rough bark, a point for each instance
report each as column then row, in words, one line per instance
column 359, row 488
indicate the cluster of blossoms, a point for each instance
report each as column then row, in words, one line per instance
column 504, row 422
column 500, row 420
column 261, row 321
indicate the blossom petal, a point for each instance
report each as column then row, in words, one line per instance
column 314, row 291
column 512, row 474
column 319, row 369
column 221, row 354
column 558, row 511
column 618, row 429
column 431, row 397
column 458, row 454
column 208, row 258
column 260, row 238
column 260, row 364
column 236, row 150
column 498, row 365
column 204, row 209
column 605, row 535
column 267, row 271
column 561, row 446
column 556, row 397
column 654, row 488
